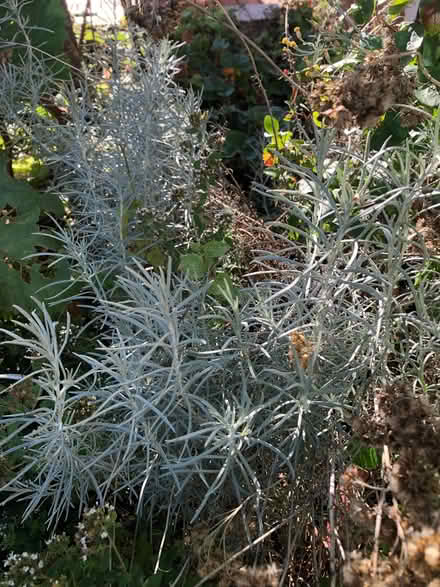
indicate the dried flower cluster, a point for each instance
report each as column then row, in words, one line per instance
column 300, row 348
column 421, row 568
column 360, row 97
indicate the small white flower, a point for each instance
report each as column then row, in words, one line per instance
column 104, row 535
column 25, row 569
column 40, row 565
column 84, row 557
column 32, row 571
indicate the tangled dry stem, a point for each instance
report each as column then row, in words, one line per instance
column 407, row 523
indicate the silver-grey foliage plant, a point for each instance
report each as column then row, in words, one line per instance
column 192, row 401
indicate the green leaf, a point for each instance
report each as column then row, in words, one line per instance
column 156, row 257
column 363, row 11
column 271, row 125
column 431, row 56
column 196, row 80
column 17, row 239
column 215, row 249
column 193, row 264
column 396, row 7
column 15, row 290
column 364, row 456
column 223, row 286
column 315, row 117
column 94, row 37
column 371, row 42
column 22, row 196
column 236, row 60
column 389, row 129
column 19, row 236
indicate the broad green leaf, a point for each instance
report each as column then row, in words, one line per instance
column 431, row 56
column 389, row 129
column 195, row 265
column 371, row 42
column 17, row 239
column 223, row 287
column 215, row 249
column 271, row 125
column 363, row 11
column 94, row 37
column 18, row 285
column 238, row 61
column 397, row 6
column 22, row 196
column 315, row 117
column 156, row 257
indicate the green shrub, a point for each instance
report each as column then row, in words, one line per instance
column 221, row 407
column 101, row 551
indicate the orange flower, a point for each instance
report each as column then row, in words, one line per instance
column 229, row 73
column 268, row 159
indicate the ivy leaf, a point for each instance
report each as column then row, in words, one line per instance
column 19, row 237
column 15, row 290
